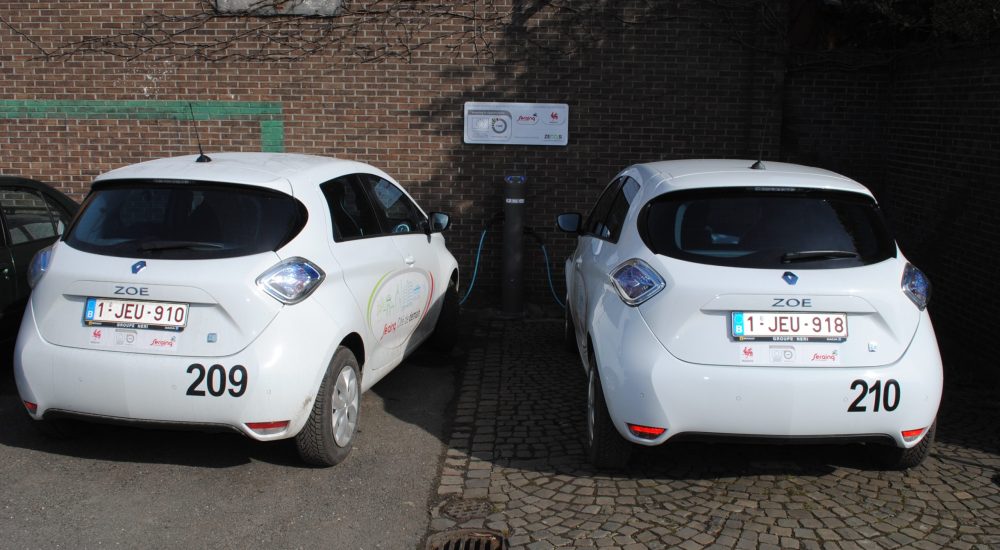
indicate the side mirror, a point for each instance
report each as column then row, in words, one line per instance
column 438, row 221
column 569, row 222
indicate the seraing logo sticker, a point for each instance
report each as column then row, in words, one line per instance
column 826, row 357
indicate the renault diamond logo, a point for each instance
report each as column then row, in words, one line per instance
column 138, row 266
column 789, row 277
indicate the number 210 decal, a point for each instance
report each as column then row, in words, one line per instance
column 887, row 396
column 215, row 378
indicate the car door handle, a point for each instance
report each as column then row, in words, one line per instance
column 410, row 260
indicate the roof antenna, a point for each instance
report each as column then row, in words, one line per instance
column 759, row 165
column 202, row 157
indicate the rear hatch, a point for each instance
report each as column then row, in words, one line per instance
column 780, row 277
column 166, row 268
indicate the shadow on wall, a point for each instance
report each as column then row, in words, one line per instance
column 671, row 87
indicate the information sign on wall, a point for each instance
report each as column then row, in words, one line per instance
column 517, row 123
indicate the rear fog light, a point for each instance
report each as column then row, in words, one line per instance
column 268, row 428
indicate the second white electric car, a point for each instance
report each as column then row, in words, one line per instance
column 734, row 299
column 255, row 292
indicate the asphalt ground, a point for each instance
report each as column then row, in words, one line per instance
column 111, row 486
column 490, row 440
column 515, row 466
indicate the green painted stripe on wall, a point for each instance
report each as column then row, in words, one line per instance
column 268, row 114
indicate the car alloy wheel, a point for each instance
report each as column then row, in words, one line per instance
column 346, row 400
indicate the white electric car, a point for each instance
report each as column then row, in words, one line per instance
column 765, row 301
column 255, row 292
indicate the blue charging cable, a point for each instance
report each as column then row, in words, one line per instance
column 479, row 252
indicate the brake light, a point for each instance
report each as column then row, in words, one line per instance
column 636, row 281
column 916, row 286
column 645, row 432
column 291, row 280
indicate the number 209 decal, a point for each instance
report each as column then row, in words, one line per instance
column 888, row 396
column 215, row 379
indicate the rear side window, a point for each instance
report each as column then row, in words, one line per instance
column 767, row 228
column 196, row 220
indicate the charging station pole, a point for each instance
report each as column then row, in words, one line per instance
column 513, row 247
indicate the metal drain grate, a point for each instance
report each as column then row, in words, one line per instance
column 466, row 509
column 467, row 539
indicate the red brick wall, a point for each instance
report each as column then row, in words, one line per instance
column 922, row 134
column 680, row 87
column 697, row 82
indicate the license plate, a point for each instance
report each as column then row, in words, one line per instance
column 788, row 327
column 135, row 314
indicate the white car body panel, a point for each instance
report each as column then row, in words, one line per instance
column 60, row 365
column 671, row 362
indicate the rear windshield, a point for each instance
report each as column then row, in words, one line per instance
column 768, row 228
column 189, row 220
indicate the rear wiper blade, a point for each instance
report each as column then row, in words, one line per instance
column 177, row 245
column 807, row 255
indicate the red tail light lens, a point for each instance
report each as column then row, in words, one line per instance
column 911, row 435
column 646, row 432
column 268, row 428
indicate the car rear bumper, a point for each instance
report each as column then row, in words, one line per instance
column 646, row 385
column 282, row 376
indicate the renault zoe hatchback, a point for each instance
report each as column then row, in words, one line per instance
column 732, row 299
column 261, row 293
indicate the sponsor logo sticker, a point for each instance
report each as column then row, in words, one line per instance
column 824, row 357
column 528, row 119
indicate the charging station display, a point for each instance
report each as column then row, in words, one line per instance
column 517, row 123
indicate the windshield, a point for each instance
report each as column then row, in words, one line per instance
column 767, row 228
column 184, row 220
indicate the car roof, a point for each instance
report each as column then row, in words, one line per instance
column 278, row 171
column 675, row 175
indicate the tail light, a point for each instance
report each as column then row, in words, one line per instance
column 39, row 265
column 916, row 286
column 291, row 281
column 636, row 282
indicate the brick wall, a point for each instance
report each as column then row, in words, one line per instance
column 676, row 88
column 943, row 166
column 922, row 134
column 694, row 83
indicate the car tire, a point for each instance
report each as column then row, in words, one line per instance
column 328, row 435
column 569, row 331
column 894, row 458
column 606, row 449
column 445, row 334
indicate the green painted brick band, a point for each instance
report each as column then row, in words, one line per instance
column 268, row 114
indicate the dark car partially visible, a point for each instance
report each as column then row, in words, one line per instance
column 32, row 216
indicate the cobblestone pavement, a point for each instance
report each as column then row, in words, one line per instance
column 515, row 464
